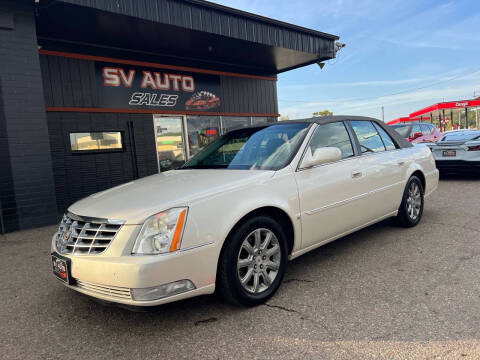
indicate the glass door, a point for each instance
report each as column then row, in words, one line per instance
column 169, row 138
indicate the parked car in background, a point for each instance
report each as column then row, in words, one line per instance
column 232, row 216
column 418, row 132
column 458, row 151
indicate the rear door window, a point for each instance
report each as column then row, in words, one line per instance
column 403, row 130
column 368, row 136
column 415, row 129
column 426, row 130
column 387, row 140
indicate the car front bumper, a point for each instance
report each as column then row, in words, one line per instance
column 113, row 278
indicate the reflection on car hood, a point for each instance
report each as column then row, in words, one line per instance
column 137, row 200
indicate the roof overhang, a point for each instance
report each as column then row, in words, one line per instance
column 450, row 106
column 445, row 111
column 180, row 32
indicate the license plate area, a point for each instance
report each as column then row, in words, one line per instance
column 61, row 268
column 448, row 153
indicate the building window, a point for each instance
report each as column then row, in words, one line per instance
column 96, row 141
column 202, row 131
column 230, row 123
column 263, row 120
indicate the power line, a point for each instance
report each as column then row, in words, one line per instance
column 392, row 94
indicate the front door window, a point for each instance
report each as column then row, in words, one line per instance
column 169, row 138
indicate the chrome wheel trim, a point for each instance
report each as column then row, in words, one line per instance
column 258, row 260
column 414, row 201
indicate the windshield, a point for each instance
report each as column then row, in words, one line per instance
column 259, row 148
column 461, row 136
column 403, row 130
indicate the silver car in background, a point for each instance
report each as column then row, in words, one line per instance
column 457, row 151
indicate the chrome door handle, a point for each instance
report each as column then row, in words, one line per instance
column 357, row 174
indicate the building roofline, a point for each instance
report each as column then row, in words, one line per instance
column 265, row 19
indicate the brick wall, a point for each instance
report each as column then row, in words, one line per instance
column 28, row 196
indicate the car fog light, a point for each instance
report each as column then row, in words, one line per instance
column 162, row 291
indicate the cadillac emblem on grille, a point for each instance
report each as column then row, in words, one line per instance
column 66, row 235
column 85, row 236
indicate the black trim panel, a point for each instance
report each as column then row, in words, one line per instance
column 457, row 165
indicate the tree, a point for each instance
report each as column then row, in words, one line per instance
column 284, row 117
column 322, row 113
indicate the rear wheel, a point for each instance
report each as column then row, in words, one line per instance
column 253, row 262
column 411, row 208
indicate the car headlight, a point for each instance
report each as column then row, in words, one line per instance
column 161, row 233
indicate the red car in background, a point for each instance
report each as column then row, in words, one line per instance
column 418, row 132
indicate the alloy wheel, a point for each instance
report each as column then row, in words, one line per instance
column 258, row 260
column 414, row 201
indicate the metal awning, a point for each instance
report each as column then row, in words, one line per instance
column 454, row 113
column 181, row 32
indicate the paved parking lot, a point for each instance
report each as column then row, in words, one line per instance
column 384, row 292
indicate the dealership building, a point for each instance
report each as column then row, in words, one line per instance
column 98, row 93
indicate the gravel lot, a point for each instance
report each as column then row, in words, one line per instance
column 384, row 292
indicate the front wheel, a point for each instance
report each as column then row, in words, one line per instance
column 411, row 208
column 253, row 262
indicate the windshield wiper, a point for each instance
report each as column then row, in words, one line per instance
column 199, row 166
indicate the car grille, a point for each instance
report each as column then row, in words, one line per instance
column 112, row 291
column 85, row 236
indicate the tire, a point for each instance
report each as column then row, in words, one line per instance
column 264, row 269
column 411, row 209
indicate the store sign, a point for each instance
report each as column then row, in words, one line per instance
column 124, row 86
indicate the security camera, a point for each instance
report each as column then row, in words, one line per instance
column 339, row 45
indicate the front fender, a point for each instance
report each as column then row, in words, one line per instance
column 227, row 209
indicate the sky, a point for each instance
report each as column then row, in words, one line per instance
column 400, row 54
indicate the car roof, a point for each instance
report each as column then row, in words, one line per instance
column 330, row 118
column 466, row 131
column 320, row 120
column 413, row 123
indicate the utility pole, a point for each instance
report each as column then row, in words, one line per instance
column 383, row 114
column 466, row 118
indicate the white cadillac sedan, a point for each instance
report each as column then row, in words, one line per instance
column 231, row 217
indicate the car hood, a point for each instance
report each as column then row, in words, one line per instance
column 137, row 200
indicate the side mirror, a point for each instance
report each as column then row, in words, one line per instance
column 321, row 156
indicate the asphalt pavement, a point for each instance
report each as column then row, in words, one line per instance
column 381, row 293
